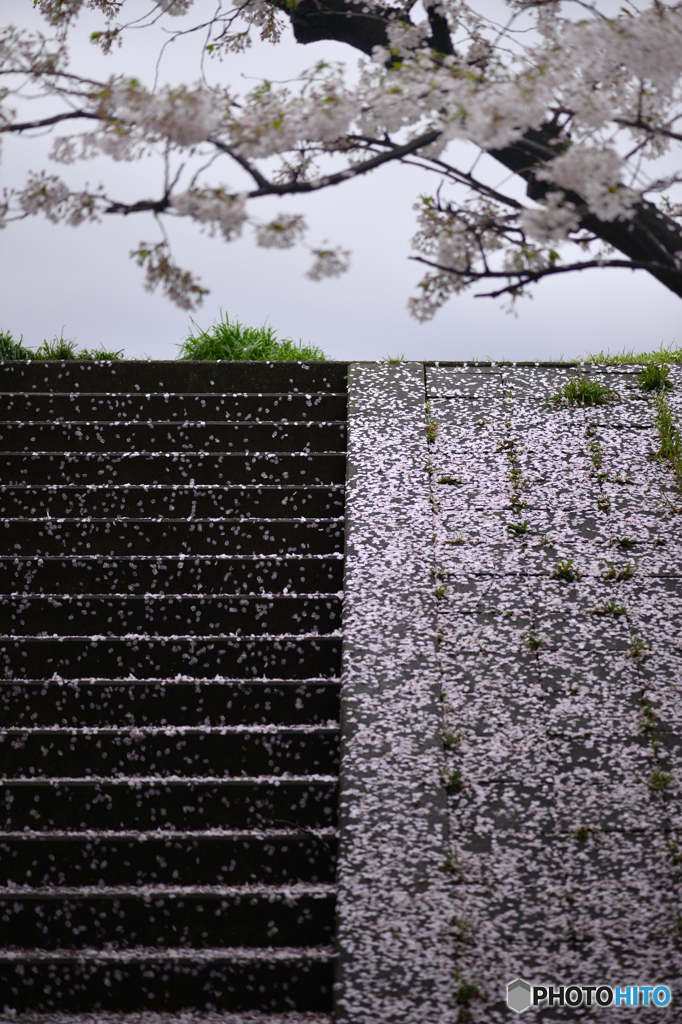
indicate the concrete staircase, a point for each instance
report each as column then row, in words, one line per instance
column 171, row 567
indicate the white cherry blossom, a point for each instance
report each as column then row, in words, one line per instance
column 581, row 108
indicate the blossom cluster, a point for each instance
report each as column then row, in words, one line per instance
column 589, row 100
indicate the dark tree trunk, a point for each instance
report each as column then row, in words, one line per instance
column 649, row 236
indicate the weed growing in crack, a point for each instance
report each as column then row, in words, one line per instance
column 452, row 740
column 450, row 480
column 515, row 477
column 432, row 426
column 396, row 359
column 604, row 504
column 534, row 643
column 518, row 528
column 453, row 783
column 659, row 780
column 582, row 391
column 451, row 866
column 648, row 723
column 596, row 454
column 616, row 573
column 435, row 505
column 626, row 543
column 583, row 833
column 609, row 608
column 440, row 592
column 674, row 853
column 457, row 540
column 638, row 646
column 670, row 449
column 654, row 377
column 463, row 998
column 564, row 570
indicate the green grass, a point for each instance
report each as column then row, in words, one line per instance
column 107, row 354
column 59, row 348
column 659, row 780
column 616, row 573
column 563, row 570
column 231, row 340
column 668, row 431
column 454, row 783
column 11, row 349
column 654, row 377
column 609, row 608
column 665, row 354
column 534, row 643
column 583, row 391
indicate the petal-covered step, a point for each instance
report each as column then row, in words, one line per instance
column 168, row 917
column 268, row 980
column 136, row 406
column 159, row 803
column 221, row 752
column 171, row 568
column 170, row 537
column 105, row 501
column 144, row 657
column 211, row 436
column 175, row 376
column 158, row 468
column 169, row 615
column 169, row 574
column 276, row 856
column 188, row 702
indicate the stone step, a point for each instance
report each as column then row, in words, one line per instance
column 217, row 752
column 216, row 436
column 172, row 917
column 275, row 857
column 171, row 502
column 168, row 574
column 169, row 615
column 170, row 537
column 144, row 702
column 106, row 407
column 169, row 982
column 171, row 567
column 172, row 376
column 158, row 468
column 141, row 657
column 146, row 803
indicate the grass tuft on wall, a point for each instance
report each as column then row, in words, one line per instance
column 231, row 340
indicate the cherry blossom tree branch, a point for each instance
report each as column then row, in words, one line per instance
column 46, row 122
column 521, row 278
column 649, row 237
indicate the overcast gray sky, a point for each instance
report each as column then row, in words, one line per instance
column 83, row 281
